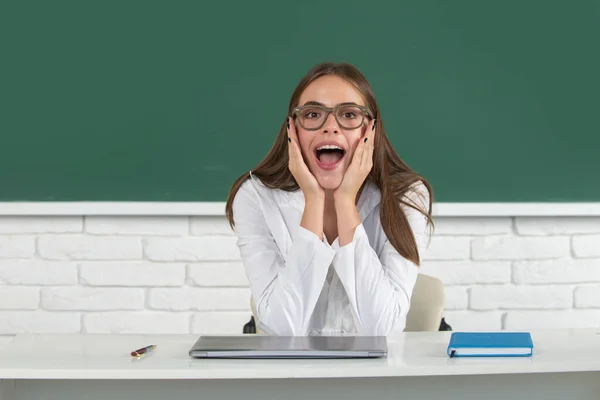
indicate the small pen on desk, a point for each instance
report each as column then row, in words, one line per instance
column 140, row 352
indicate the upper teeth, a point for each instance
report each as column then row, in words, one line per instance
column 329, row 146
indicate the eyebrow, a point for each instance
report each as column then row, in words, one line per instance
column 316, row 103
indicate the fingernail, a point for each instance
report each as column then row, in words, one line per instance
column 374, row 123
column 366, row 140
column 289, row 140
column 288, row 122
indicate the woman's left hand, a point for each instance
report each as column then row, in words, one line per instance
column 359, row 168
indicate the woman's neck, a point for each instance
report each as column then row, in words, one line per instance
column 329, row 217
column 329, row 203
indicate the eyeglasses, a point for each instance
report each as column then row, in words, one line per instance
column 348, row 116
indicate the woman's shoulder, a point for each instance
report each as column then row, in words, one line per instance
column 250, row 189
column 253, row 184
column 253, row 190
column 417, row 195
column 417, row 189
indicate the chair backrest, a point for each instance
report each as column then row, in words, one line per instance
column 253, row 308
column 427, row 305
column 426, row 308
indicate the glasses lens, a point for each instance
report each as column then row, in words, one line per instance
column 349, row 117
column 312, row 117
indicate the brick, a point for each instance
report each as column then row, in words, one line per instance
column 468, row 272
column 587, row 296
column 447, row 248
column 168, row 226
column 586, row 246
column 192, row 249
column 219, row 322
column 35, row 272
column 23, row 224
column 210, row 225
column 517, row 248
column 85, row 298
column 556, row 225
column 474, row 320
column 472, row 226
column 217, row 274
column 521, row 297
column 80, row 247
column 132, row 274
column 14, row 322
column 200, row 299
column 19, row 298
column 457, row 298
column 140, row 322
column 17, row 246
column 564, row 270
column 546, row 319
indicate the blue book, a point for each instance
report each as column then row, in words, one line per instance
column 490, row 344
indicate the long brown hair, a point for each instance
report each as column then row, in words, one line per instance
column 389, row 173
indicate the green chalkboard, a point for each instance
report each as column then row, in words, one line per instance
column 492, row 101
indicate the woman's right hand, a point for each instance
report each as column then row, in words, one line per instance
column 305, row 179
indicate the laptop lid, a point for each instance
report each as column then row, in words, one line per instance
column 270, row 346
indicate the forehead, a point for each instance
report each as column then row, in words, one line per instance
column 331, row 90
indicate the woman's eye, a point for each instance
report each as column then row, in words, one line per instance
column 349, row 115
column 311, row 114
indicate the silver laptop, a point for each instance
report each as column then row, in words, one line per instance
column 269, row 346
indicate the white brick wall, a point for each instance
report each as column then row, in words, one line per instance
column 521, row 273
column 181, row 275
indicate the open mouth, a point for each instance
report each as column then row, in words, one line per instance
column 329, row 156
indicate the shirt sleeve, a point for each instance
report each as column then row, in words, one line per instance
column 379, row 284
column 286, row 285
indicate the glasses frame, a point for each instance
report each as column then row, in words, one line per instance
column 365, row 113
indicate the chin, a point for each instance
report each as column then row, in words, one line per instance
column 329, row 181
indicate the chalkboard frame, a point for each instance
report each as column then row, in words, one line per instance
column 166, row 209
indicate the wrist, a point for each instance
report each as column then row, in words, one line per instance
column 343, row 200
column 347, row 218
column 345, row 209
column 316, row 199
column 312, row 217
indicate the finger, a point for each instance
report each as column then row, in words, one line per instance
column 366, row 153
column 360, row 150
column 371, row 131
column 296, row 161
column 291, row 150
column 293, row 140
column 292, row 136
column 291, row 128
column 367, row 156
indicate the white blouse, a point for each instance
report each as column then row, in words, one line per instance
column 303, row 286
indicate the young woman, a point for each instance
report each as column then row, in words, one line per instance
column 331, row 224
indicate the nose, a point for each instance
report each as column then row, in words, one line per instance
column 331, row 125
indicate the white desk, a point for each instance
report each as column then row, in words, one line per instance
column 566, row 365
